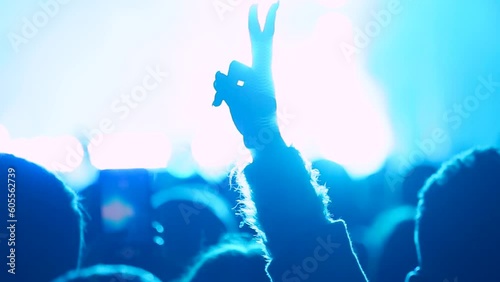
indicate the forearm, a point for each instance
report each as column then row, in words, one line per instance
column 284, row 194
column 291, row 213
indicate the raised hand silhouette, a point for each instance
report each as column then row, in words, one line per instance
column 249, row 91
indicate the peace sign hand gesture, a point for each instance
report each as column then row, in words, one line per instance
column 252, row 104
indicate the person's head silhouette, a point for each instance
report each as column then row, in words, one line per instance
column 457, row 222
column 46, row 225
column 236, row 258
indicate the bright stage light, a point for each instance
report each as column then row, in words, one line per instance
column 338, row 110
column 131, row 150
column 57, row 154
column 312, row 83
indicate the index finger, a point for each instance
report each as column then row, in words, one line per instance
column 253, row 23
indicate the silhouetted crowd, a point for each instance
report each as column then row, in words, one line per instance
column 300, row 221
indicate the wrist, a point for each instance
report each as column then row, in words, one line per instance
column 265, row 142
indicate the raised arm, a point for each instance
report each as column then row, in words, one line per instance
column 282, row 200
